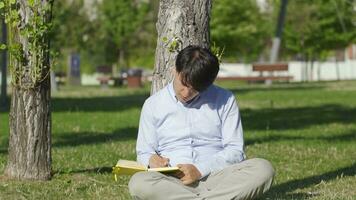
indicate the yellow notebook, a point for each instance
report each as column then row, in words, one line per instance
column 128, row 167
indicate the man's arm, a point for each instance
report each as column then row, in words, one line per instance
column 232, row 141
column 146, row 138
column 147, row 141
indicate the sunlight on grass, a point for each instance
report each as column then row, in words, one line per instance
column 307, row 130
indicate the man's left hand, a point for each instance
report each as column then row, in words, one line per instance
column 190, row 173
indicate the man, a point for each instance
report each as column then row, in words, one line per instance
column 196, row 126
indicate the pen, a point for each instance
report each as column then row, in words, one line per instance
column 159, row 154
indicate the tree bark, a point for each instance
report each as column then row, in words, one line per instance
column 188, row 22
column 30, row 116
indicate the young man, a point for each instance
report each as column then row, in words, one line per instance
column 196, row 126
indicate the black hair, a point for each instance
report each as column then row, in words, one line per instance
column 197, row 66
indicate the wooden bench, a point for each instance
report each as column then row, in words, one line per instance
column 105, row 75
column 262, row 68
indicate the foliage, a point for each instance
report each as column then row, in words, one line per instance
column 73, row 32
column 241, row 28
column 217, row 51
column 97, row 37
column 66, row 30
column 142, row 48
column 27, row 64
column 318, row 27
column 120, row 19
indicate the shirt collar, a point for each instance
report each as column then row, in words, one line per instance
column 174, row 97
column 172, row 92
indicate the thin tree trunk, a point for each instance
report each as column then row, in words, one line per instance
column 319, row 70
column 337, row 70
column 304, row 66
column 184, row 22
column 312, row 69
column 121, row 61
column 30, row 116
column 3, row 65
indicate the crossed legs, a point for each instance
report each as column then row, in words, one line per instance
column 245, row 180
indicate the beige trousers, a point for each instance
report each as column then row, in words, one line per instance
column 245, row 180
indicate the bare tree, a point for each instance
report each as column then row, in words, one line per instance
column 30, row 116
column 180, row 23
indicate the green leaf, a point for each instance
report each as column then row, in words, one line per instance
column 2, row 5
column 31, row 2
column 12, row 2
column 2, row 46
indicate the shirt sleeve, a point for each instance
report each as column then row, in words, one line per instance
column 146, row 139
column 232, row 141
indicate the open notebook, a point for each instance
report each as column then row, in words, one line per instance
column 129, row 167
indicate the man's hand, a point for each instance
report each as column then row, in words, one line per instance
column 158, row 161
column 190, row 173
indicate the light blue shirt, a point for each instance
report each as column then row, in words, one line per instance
column 207, row 132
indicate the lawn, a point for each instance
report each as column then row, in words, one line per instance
column 308, row 132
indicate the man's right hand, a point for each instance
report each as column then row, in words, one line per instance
column 158, row 161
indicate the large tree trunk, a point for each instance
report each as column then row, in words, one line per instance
column 30, row 133
column 184, row 22
column 30, row 116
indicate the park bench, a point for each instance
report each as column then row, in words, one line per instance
column 267, row 72
column 104, row 75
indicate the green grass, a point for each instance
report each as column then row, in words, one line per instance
column 308, row 132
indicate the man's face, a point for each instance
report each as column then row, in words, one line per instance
column 183, row 93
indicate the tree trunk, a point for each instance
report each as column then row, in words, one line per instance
column 30, row 133
column 337, row 70
column 183, row 22
column 311, row 69
column 30, row 116
column 319, row 69
column 3, row 65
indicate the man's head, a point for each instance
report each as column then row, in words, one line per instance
column 196, row 69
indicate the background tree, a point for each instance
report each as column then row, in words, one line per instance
column 317, row 29
column 119, row 21
column 74, row 32
column 30, row 117
column 180, row 23
column 142, row 46
column 242, row 28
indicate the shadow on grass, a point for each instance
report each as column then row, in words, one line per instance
column 87, row 138
column 281, row 191
column 348, row 137
column 276, row 87
column 91, row 104
column 297, row 118
column 96, row 170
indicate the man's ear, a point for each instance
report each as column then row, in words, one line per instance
column 174, row 72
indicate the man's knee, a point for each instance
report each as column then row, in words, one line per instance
column 263, row 169
column 140, row 184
